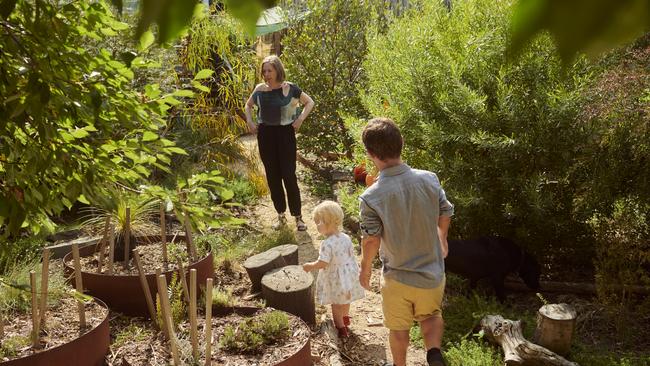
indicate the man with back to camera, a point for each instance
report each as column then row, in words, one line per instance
column 405, row 217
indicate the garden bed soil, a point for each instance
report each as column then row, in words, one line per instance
column 150, row 257
column 153, row 350
column 62, row 327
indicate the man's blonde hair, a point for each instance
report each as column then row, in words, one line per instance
column 329, row 213
column 277, row 65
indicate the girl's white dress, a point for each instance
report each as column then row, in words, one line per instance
column 338, row 283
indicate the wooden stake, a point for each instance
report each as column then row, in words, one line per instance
column 194, row 336
column 191, row 249
column 160, row 300
column 79, row 284
column 45, row 275
column 181, row 277
column 145, row 287
column 2, row 326
column 166, row 311
column 208, row 322
column 35, row 330
column 163, row 233
column 102, row 244
column 111, row 250
column 127, row 237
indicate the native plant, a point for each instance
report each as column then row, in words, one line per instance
column 255, row 332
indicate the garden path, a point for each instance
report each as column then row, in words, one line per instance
column 368, row 345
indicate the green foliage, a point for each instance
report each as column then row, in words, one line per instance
column 471, row 353
column 500, row 135
column 176, row 302
column 131, row 333
column 331, row 78
column 74, row 123
column 223, row 298
column 244, row 191
column 268, row 240
column 602, row 24
column 348, row 198
column 623, row 255
column 10, row 347
column 20, row 250
column 249, row 336
column 15, row 290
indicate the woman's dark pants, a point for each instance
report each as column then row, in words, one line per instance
column 277, row 146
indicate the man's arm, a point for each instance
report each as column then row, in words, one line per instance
column 443, row 228
column 369, row 250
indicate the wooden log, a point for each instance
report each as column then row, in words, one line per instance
column 79, row 285
column 518, row 350
column 127, row 237
column 257, row 266
column 45, row 278
column 102, row 244
column 35, row 328
column 289, row 253
column 290, row 289
column 145, row 287
column 208, row 322
column 163, row 234
column 167, row 315
column 194, row 333
column 555, row 326
column 111, row 250
column 183, row 280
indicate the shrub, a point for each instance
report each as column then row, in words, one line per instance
column 471, row 353
column 501, row 135
column 250, row 335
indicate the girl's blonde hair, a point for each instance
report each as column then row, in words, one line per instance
column 329, row 213
column 277, row 65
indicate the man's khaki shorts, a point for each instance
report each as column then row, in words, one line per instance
column 402, row 303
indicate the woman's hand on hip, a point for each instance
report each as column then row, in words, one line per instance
column 297, row 123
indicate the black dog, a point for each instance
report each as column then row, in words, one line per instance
column 492, row 258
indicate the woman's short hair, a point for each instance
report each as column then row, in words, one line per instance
column 329, row 213
column 382, row 138
column 277, row 65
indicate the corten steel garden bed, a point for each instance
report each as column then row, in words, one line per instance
column 124, row 293
column 89, row 349
column 302, row 357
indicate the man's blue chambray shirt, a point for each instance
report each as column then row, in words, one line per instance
column 403, row 207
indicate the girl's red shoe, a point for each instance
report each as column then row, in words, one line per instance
column 346, row 321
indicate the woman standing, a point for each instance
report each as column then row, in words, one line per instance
column 277, row 101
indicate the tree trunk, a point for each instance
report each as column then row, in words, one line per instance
column 555, row 326
column 290, row 289
column 257, row 265
column 289, row 253
column 517, row 350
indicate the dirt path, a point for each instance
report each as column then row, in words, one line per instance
column 369, row 343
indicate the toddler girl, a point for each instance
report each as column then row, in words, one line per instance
column 338, row 276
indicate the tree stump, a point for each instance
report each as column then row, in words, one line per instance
column 555, row 325
column 289, row 252
column 257, row 265
column 290, row 289
column 517, row 349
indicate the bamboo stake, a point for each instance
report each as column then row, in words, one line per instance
column 35, row 330
column 102, row 244
column 45, row 274
column 181, row 277
column 163, row 233
column 191, row 250
column 145, row 287
column 127, row 237
column 79, row 284
column 208, row 322
column 2, row 326
column 166, row 311
column 111, row 250
column 164, row 291
column 194, row 336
